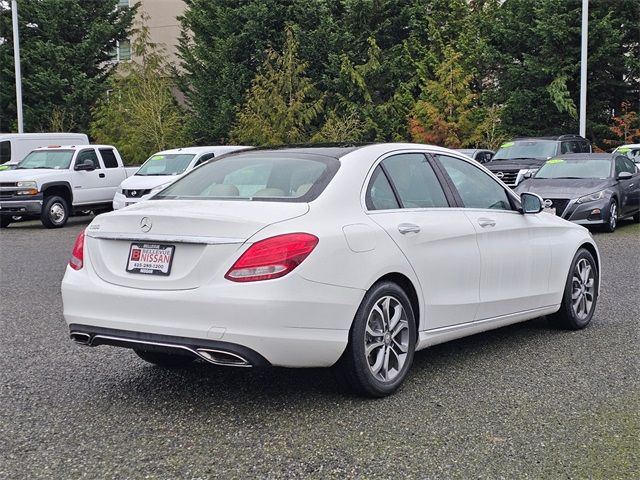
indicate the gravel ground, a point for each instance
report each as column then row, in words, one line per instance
column 526, row 401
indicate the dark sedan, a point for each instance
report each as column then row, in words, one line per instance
column 588, row 188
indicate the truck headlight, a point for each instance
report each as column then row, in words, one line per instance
column 27, row 188
column 591, row 197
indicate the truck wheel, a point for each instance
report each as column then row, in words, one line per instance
column 55, row 212
column 5, row 222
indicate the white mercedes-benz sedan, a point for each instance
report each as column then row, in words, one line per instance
column 353, row 257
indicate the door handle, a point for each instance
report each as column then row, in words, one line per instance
column 486, row 222
column 101, row 175
column 405, row 228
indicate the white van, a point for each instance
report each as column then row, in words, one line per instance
column 15, row 146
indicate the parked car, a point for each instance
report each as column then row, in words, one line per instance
column 478, row 154
column 523, row 156
column 15, row 146
column 163, row 168
column 312, row 257
column 54, row 182
column 632, row 151
column 588, row 188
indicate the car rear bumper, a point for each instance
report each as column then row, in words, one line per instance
column 290, row 322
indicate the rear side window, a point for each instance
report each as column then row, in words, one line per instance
column 264, row 176
column 5, row 151
column 415, row 181
column 380, row 194
column 109, row 158
column 475, row 187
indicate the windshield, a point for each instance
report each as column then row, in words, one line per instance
column 263, row 176
column 166, row 164
column 526, row 149
column 58, row 159
column 558, row 168
column 632, row 153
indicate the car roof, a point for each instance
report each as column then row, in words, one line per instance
column 629, row 145
column 218, row 149
column 587, row 156
column 554, row 138
column 72, row 147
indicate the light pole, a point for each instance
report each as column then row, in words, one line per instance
column 583, row 68
column 16, row 57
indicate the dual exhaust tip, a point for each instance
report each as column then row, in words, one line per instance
column 211, row 355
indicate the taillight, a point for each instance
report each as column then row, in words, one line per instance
column 77, row 254
column 272, row 258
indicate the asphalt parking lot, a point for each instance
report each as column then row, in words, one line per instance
column 526, row 401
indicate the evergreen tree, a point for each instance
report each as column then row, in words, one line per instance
column 140, row 115
column 66, row 47
column 282, row 103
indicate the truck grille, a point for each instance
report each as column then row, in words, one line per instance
column 8, row 189
column 560, row 204
column 135, row 193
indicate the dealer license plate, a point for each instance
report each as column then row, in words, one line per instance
column 552, row 211
column 150, row 258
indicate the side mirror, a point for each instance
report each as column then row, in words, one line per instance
column 531, row 203
column 624, row 175
column 87, row 165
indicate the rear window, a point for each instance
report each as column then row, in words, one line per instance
column 264, row 176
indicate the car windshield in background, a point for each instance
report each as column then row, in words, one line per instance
column 56, row 159
column 559, row 168
column 269, row 176
column 166, row 164
column 631, row 153
column 526, row 149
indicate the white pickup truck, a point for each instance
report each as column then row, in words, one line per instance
column 52, row 183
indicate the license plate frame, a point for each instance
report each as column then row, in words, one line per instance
column 142, row 267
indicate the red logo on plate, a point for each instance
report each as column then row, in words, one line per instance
column 135, row 254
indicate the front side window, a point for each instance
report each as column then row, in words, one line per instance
column 266, row 176
column 415, row 181
column 5, row 151
column 85, row 155
column 55, row 159
column 165, row 164
column 475, row 187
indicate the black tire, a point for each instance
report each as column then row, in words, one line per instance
column 636, row 217
column 354, row 368
column 567, row 316
column 612, row 216
column 168, row 360
column 55, row 212
column 5, row 222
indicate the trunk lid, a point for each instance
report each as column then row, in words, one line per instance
column 206, row 235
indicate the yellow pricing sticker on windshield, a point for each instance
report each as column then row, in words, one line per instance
column 157, row 157
column 4, row 167
column 623, row 150
column 555, row 160
column 507, row 145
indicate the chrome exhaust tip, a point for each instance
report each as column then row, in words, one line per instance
column 219, row 357
column 80, row 338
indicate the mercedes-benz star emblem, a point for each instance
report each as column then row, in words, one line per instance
column 499, row 174
column 547, row 203
column 145, row 224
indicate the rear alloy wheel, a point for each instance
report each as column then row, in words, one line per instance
column 613, row 217
column 580, row 293
column 55, row 212
column 168, row 360
column 381, row 342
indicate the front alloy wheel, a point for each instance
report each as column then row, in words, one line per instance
column 382, row 342
column 613, row 216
